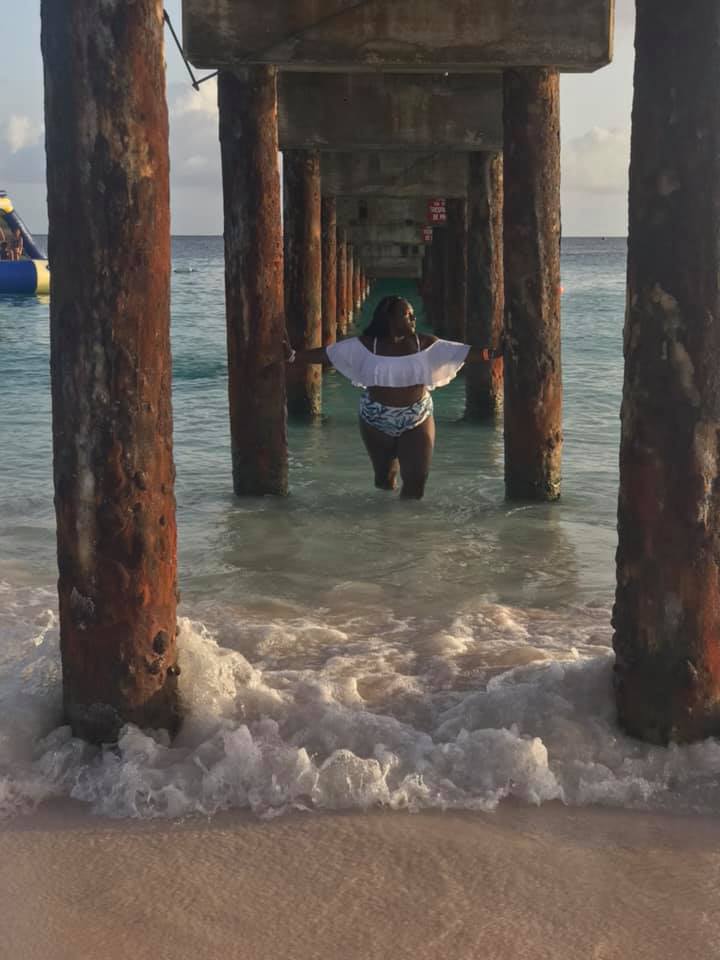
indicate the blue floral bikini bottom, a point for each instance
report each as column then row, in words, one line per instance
column 394, row 421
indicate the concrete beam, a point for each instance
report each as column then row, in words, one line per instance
column 400, row 35
column 391, row 250
column 369, row 211
column 400, row 268
column 401, row 233
column 388, row 174
column 334, row 111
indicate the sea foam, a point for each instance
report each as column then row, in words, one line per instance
column 366, row 711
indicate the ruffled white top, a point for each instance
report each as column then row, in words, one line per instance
column 435, row 366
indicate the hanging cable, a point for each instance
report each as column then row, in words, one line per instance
column 259, row 55
column 193, row 79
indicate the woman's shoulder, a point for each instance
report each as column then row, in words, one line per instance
column 427, row 340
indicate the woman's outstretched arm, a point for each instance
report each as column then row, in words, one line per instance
column 484, row 354
column 317, row 355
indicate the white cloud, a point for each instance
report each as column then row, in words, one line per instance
column 22, row 151
column 197, row 163
column 21, row 131
column 185, row 99
column 194, row 145
column 597, row 162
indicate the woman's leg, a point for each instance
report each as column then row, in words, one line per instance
column 415, row 451
column 383, row 451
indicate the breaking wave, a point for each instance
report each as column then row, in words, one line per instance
column 285, row 712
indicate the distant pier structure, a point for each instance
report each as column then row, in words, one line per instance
column 410, row 99
column 379, row 109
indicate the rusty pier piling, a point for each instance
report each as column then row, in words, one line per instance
column 303, row 278
column 486, row 300
column 107, row 147
column 667, row 609
column 531, row 223
column 247, row 101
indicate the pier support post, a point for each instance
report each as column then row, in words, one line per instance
column 247, row 103
column 329, row 270
column 426, row 283
column 456, row 269
column 667, row 609
column 107, row 147
column 303, row 278
column 349, row 284
column 438, row 279
column 533, row 375
column 484, row 381
column 342, row 307
column 357, row 281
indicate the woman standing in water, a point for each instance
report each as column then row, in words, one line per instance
column 397, row 368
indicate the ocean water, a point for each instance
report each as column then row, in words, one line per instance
column 341, row 649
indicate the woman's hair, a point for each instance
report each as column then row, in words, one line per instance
column 379, row 326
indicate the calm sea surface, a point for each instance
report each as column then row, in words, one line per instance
column 343, row 648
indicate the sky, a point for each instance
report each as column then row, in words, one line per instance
column 595, row 123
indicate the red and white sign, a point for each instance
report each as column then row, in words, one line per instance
column 437, row 212
column 427, row 234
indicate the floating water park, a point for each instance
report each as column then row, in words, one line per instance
column 23, row 265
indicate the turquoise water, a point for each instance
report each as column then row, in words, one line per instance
column 341, row 648
column 464, row 537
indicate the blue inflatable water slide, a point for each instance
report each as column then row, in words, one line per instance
column 30, row 274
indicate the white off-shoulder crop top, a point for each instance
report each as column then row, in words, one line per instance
column 432, row 367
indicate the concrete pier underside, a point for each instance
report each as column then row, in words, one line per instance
column 367, row 211
column 400, row 268
column 345, row 111
column 388, row 174
column 403, row 35
column 383, row 234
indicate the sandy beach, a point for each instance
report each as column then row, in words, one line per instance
column 520, row 883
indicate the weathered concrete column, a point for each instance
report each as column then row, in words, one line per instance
column 357, row 296
column 456, row 268
column 303, row 278
column 107, row 147
column 329, row 270
column 425, row 278
column 437, row 272
column 484, row 381
column 342, row 307
column 667, row 610
column 533, row 376
column 349, row 280
column 254, row 280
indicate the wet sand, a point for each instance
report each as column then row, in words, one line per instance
column 521, row 884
